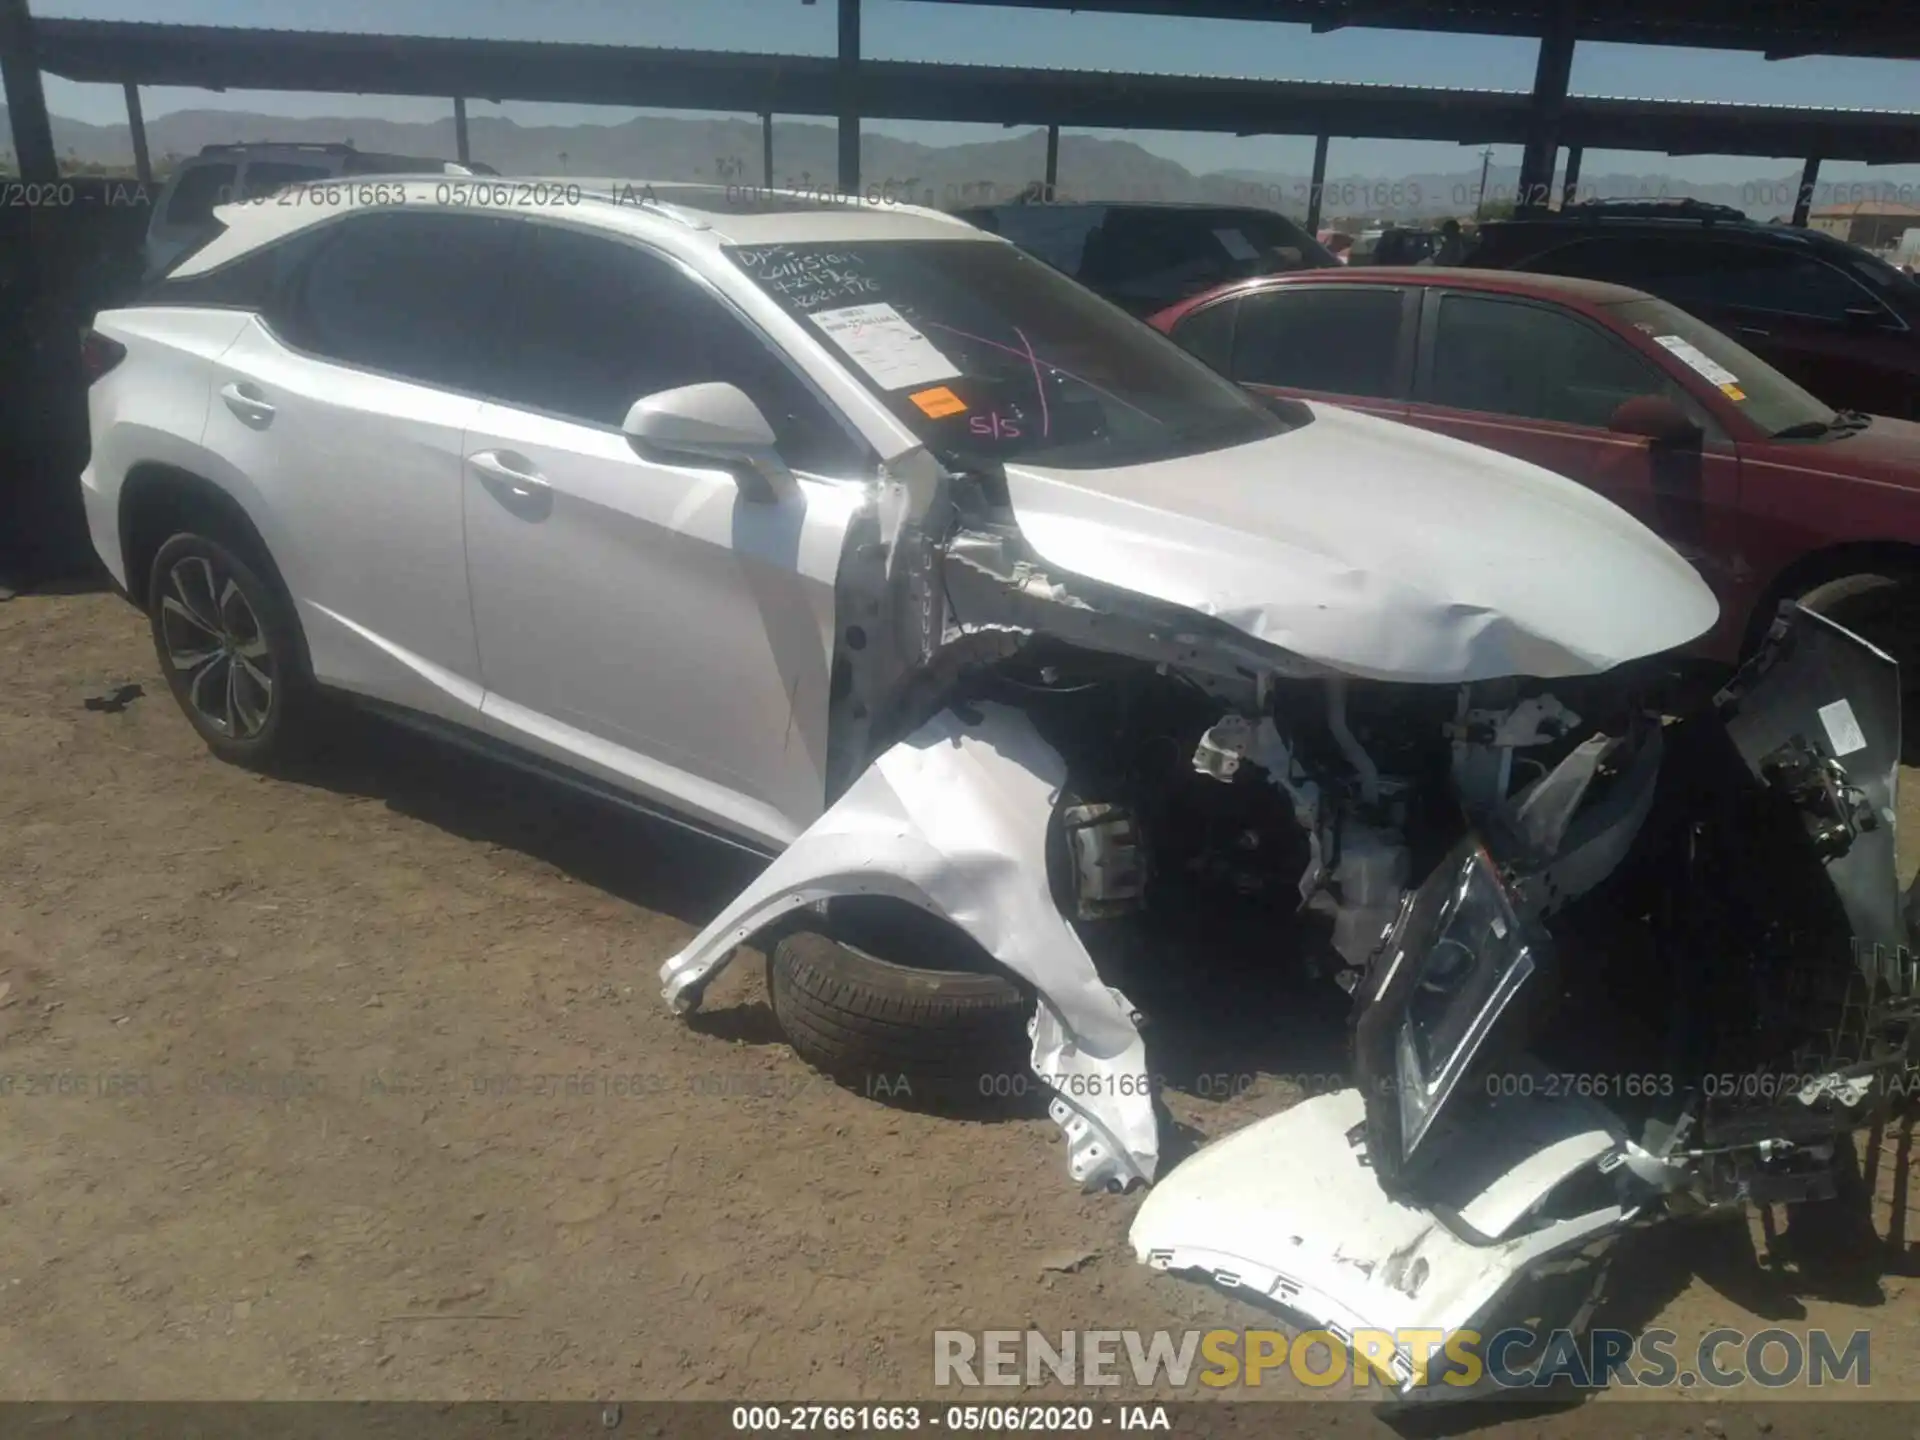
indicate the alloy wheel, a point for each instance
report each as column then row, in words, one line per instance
column 216, row 645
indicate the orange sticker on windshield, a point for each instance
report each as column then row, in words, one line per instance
column 1733, row 392
column 938, row 403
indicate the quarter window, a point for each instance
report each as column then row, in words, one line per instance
column 1207, row 334
column 200, row 188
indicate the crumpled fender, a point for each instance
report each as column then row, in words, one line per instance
column 954, row 819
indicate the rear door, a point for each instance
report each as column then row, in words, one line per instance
column 342, row 411
column 1539, row 382
column 1352, row 345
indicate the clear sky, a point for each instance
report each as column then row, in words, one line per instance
column 906, row 30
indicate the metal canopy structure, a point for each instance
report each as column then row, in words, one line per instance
column 1781, row 29
column 219, row 58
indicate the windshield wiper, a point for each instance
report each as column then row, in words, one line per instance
column 1844, row 422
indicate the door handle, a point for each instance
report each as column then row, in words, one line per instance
column 521, row 479
column 1752, row 330
column 245, row 401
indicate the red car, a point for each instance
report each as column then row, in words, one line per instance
column 1772, row 494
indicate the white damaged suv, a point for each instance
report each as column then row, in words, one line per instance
column 861, row 540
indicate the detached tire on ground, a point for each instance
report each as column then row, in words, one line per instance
column 910, row 1035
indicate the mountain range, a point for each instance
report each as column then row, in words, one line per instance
column 729, row 150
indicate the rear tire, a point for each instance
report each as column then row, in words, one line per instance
column 229, row 646
column 920, row 1038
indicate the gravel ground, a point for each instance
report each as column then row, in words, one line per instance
column 277, row 1065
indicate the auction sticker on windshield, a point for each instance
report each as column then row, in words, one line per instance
column 1698, row 361
column 882, row 342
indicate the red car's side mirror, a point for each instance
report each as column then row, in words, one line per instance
column 1656, row 418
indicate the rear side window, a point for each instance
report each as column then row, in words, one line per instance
column 408, row 294
column 248, row 283
column 200, row 188
column 1338, row 340
column 264, row 177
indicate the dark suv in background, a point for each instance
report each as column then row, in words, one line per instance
column 1840, row 321
column 1146, row 257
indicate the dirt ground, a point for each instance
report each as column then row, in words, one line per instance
column 286, row 1109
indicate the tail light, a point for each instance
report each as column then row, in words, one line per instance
column 98, row 354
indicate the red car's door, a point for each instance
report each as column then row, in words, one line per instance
column 1350, row 345
column 1535, row 381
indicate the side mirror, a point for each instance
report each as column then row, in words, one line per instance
column 713, row 426
column 1865, row 317
column 1656, row 418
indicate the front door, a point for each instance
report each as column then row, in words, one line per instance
column 646, row 622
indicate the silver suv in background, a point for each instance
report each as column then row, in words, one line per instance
column 219, row 174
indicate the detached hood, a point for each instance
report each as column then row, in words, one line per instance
column 1378, row 550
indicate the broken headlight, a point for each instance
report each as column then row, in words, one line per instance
column 1448, row 969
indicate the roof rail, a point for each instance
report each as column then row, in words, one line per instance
column 1678, row 208
column 330, row 148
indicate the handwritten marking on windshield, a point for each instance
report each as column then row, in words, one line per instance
column 1028, row 355
column 1039, row 384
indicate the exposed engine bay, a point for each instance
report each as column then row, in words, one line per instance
column 1608, row 959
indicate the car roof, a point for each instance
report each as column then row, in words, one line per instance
column 717, row 214
column 1510, row 282
column 1158, row 206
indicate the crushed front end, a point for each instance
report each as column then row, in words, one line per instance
column 1536, row 1070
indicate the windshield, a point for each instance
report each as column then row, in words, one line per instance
column 988, row 355
column 1757, row 390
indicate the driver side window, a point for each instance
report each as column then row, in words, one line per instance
column 1571, row 372
column 600, row 323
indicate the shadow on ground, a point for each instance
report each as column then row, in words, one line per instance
column 651, row 863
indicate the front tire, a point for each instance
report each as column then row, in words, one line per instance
column 229, row 646
column 918, row 1037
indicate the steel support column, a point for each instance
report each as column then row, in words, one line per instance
column 137, row 128
column 849, row 86
column 1570, row 190
column 1550, row 77
column 1803, row 199
column 1319, row 184
column 460, row 150
column 33, row 151
column 1053, row 159
column 766, row 148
